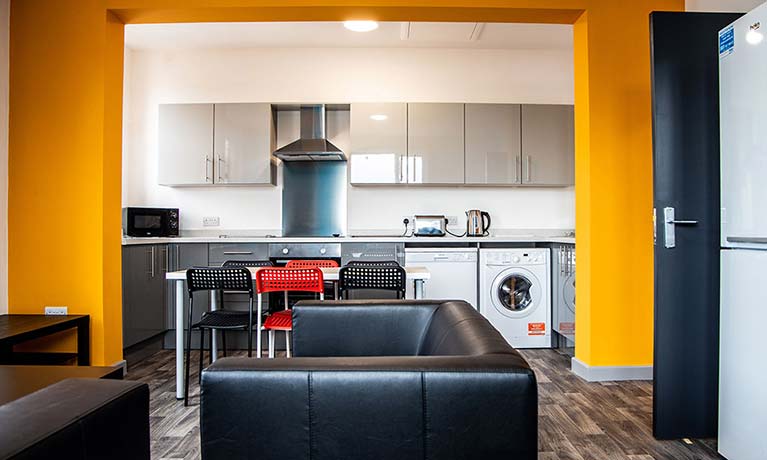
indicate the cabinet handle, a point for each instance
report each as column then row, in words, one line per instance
column 152, row 263
column 207, row 176
column 238, row 253
column 529, row 160
column 220, row 168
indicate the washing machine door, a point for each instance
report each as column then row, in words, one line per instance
column 516, row 293
column 568, row 293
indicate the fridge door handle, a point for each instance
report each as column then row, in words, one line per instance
column 669, row 226
column 747, row 239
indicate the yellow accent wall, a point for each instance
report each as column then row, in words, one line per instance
column 64, row 149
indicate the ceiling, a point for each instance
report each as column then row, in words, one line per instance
column 334, row 35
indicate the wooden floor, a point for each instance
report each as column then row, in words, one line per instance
column 577, row 420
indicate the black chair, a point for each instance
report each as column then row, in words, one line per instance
column 383, row 276
column 248, row 263
column 373, row 263
column 219, row 279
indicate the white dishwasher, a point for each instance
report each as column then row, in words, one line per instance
column 453, row 272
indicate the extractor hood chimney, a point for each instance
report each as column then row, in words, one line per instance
column 312, row 145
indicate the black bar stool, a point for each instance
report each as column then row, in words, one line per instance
column 384, row 275
column 219, row 279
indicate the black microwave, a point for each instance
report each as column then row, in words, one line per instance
column 150, row 221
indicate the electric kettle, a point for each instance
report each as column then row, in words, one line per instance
column 476, row 225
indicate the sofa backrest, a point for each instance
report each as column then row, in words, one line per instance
column 360, row 328
column 393, row 328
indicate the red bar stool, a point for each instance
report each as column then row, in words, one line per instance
column 286, row 280
column 320, row 263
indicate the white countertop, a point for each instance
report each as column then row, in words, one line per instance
column 521, row 238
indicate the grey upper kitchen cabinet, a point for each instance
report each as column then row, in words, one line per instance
column 378, row 133
column 217, row 144
column 548, row 145
column 244, row 139
column 435, row 153
column 493, row 145
column 144, row 268
column 185, row 144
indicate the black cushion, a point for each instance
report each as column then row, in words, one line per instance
column 445, row 385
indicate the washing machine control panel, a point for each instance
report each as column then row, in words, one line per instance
column 518, row 257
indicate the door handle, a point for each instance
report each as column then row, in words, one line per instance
column 238, row 253
column 529, row 161
column 669, row 226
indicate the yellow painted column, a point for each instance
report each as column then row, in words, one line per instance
column 64, row 165
column 614, row 236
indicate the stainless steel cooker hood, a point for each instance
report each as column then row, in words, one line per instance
column 312, row 145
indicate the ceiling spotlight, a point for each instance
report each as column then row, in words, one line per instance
column 378, row 117
column 361, row 26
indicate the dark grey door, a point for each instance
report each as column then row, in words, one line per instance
column 686, row 179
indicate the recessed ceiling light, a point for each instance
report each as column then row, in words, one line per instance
column 378, row 117
column 754, row 37
column 361, row 26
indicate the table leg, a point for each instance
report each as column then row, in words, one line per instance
column 180, row 339
column 214, row 333
column 418, row 285
column 84, row 342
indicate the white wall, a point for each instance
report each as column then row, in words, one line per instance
column 339, row 75
column 722, row 6
column 5, row 6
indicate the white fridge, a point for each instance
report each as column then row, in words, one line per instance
column 743, row 321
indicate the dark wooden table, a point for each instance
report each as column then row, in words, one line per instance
column 15, row 329
column 18, row 381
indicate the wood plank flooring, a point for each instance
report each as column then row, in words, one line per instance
column 577, row 420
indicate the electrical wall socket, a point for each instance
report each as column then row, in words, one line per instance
column 58, row 310
column 211, row 221
column 409, row 218
column 452, row 220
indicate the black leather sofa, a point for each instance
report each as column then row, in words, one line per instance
column 395, row 380
column 78, row 419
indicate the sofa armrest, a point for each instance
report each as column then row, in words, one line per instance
column 416, row 407
column 78, row 419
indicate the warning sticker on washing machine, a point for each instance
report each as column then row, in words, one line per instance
column 536, row 328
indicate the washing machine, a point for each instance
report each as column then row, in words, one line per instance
column 515, row 294
column 563, row 288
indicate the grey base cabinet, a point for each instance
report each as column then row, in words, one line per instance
column 182, row 257
column 144, row 268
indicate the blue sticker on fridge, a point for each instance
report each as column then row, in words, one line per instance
column 726, row 42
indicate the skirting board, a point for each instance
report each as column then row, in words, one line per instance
column 609, row 373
